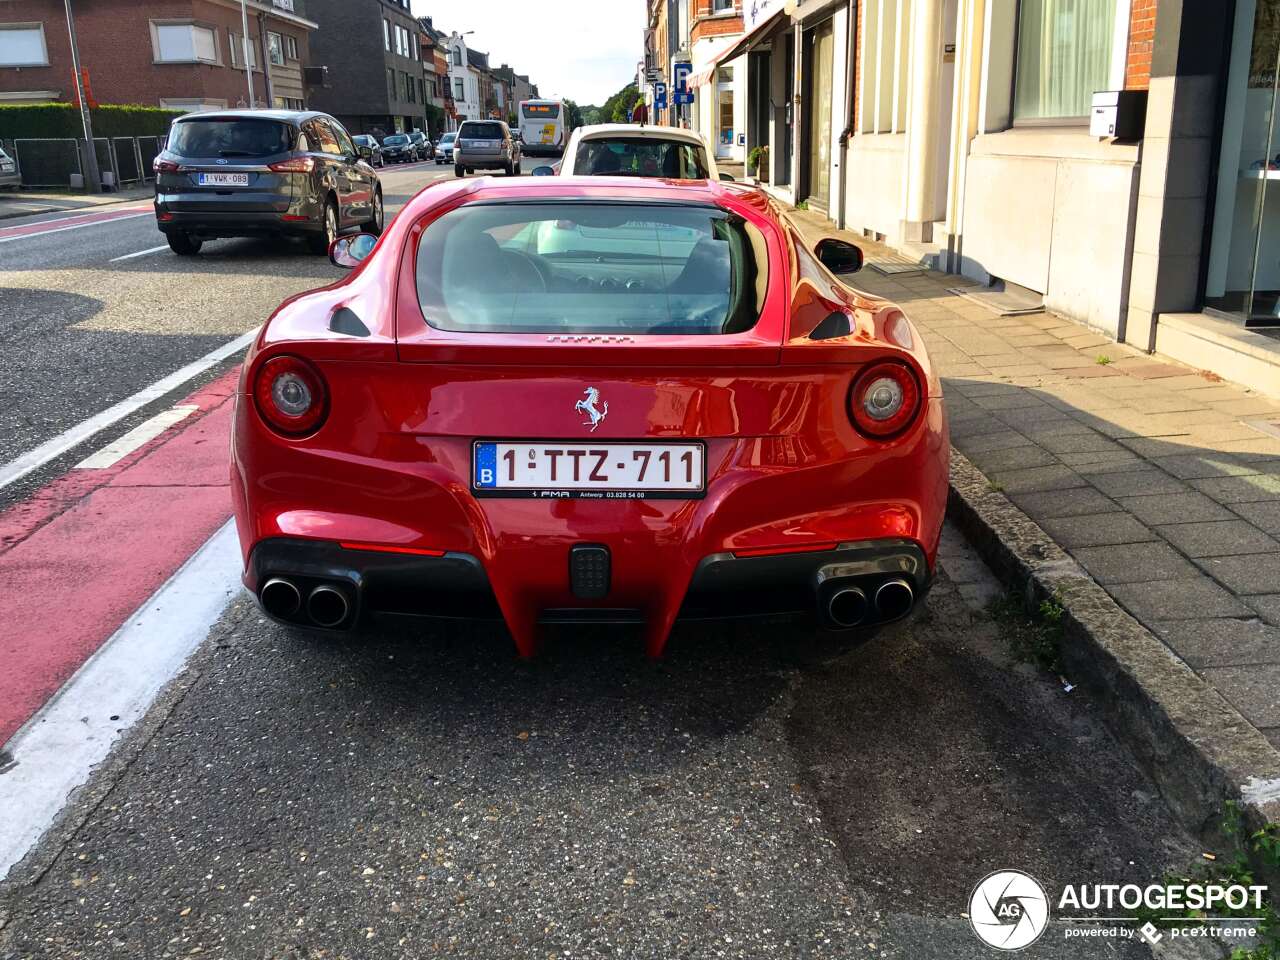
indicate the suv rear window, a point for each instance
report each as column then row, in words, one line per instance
column 575, row 266
column 639, row 157
column 232, row 137
column 480, row 131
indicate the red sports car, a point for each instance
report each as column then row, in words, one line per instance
column 562, row 400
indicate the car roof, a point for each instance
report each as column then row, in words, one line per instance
column 295, row 116
column 635, row 130
column 640, row 189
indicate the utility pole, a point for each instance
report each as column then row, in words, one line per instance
column 93, row 180
column 248, row 64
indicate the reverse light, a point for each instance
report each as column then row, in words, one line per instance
column 291, row 395
column 296, row 165
column 885, row 399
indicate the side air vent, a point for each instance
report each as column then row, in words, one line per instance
column 836, row 324
column 345, row 320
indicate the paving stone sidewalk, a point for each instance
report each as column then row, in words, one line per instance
column 1161, row 481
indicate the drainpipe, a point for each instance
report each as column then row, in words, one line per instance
column 850, row 91
column 266, row 59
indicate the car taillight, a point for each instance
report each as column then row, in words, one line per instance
column 291, row 395
column 296, row 165
column 885, row 399
column 163, row 166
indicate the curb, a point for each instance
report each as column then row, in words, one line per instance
column 1197, row 748
column 88, row 208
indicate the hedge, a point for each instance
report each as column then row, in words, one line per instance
column 35, row 120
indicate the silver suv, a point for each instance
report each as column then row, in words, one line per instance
column 486, row 145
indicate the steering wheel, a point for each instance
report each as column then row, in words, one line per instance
column 523, row 266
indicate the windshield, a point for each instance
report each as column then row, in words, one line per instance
column 640, row 157
column 232, row 137
column 481, row 131
column 395, row 140
column 591, row 267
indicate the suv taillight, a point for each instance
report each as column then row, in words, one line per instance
column 296, row 165
column 291, row 395
column 885, row 399
column 160, row 165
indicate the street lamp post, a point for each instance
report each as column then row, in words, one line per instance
column 93, row 180
column 248, row 64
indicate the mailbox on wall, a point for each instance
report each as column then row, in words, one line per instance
column 1118, row 113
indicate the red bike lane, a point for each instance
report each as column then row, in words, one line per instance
column 85, row 552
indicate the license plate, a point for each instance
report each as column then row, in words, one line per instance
column 224, row 179
column 601, row 471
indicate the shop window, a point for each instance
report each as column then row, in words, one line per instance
column 1063, row 56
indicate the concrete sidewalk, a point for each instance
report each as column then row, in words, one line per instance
column 28, row 203
column 1161, row 482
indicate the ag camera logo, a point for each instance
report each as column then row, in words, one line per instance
column 1008, row 910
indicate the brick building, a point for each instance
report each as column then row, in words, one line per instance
column 374, row 59
column 182, row 54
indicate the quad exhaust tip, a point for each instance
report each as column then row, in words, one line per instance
column 894, row 599
column 327, row 606
column 848, row 607
column 280, row 597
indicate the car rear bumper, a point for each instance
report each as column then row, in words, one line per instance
column 454, row 585
column 482, row 161
column 237, row 216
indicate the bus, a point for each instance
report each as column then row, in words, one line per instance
column 543, row 126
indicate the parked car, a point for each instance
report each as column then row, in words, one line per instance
column 369, row 149
column 421, row 145
column 398, row 148
column 628, row 150
column 245, row 173
column 565, row 402
column 9, row 176
column 444, row 148
column 486, row 145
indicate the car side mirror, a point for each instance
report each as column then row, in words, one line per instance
column 838, row 256
column 728, row 177
column 349, row 252
column 543, row 171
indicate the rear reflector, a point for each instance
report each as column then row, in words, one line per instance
column 790, row 548
column 385, row 548
column 295, row 216
column 164, row 217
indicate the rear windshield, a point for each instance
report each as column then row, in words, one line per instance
column 395, row 140
column 639, row 157
column 481, row 131
column 233, row 137
column 591, row 267
column 448, row 138
column 363, row 140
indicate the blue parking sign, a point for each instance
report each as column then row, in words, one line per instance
column 660, row 96
column 680, row 73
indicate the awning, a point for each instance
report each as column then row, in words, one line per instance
column 745, row 43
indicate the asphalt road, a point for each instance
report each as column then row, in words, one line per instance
column 758, row 793
column 83, row 329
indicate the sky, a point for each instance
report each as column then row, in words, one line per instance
column 585, row 50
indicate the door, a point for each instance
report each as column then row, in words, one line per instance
column 1244, row 264
column 820, row 64
column 360, row 177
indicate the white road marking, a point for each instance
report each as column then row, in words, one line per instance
column 57, row 446
column 57, row 749
column 140, row 253
column 144, row 432
column 75, row 226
